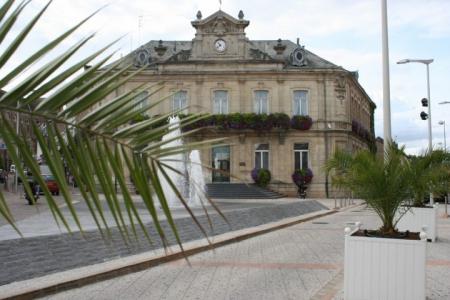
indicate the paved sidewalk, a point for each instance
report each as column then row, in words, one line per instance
column 46, row 251
column 300, row 262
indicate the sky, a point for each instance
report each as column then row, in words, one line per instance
column 345, row 32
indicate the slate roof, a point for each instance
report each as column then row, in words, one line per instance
column 178, row 51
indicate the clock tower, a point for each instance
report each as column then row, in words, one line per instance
column 219, row 36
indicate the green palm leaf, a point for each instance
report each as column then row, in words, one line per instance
column 95, row 142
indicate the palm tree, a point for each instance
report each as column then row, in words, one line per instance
column 441, row 178
column 428, row 170
column 383, row 183
column 97, row 144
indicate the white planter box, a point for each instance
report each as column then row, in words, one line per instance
column 417, row 217
column 380, row 268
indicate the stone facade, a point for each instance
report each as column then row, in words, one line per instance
column 264, row 77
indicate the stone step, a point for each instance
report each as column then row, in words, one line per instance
column 240, row 191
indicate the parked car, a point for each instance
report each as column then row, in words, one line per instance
column 52, row 185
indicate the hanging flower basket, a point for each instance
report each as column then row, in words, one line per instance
column 301, row 122
column 301, row 178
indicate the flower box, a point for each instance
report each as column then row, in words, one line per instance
column 384, row 268
column 417, row 217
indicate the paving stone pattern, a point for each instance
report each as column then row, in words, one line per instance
column 22, row 259
column 303, row 261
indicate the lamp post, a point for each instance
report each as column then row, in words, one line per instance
column 427, row 62
column 443, row 123
column 386, row 82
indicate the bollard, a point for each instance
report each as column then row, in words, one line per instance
column 446, row 203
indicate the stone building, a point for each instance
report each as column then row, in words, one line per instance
column 221, row 71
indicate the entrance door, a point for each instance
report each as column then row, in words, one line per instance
column 221, row 163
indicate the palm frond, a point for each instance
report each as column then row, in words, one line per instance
column 385, row 184
column 96, row 143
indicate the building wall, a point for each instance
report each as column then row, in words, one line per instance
column 335, row 98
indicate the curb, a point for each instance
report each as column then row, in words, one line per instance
column 74, row 278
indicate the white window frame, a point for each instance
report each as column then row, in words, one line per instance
column 301, row 151
column 294, row 99
column 223, row 103
column 177, row 106
column 261, row 160
column 138, row 98
column 258, row 108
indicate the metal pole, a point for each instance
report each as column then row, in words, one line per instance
column 430, row 137
column 16, row 187
column 445, row 139
column 386, row 84
column 446, row 204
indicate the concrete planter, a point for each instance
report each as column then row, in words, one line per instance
column 382, row 268
column 417, row 217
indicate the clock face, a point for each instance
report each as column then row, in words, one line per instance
column 220, row 45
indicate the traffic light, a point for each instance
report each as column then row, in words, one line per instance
column 423, row 115
column 424, row 102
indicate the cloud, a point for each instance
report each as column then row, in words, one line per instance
column 346, row 32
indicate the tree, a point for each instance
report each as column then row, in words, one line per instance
column 428, row 172
column 385, row 184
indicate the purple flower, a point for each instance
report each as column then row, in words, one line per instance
column 302, row 176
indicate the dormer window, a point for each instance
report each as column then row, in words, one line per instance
column 142, row 58
column 298, row 57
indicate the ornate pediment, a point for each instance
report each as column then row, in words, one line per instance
column 220, row 23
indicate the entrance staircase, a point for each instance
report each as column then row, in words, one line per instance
column 240, row 191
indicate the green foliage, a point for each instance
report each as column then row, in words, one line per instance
column 98, row 143
column 252, row 121
column 384, row 184
column 261, row 177
column 429, row 173
column 139, row 118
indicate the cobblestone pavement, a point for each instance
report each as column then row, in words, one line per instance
column 300, row 262
column 19, row 205
column 26, row 258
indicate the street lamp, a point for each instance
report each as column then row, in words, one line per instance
column 427, row 62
